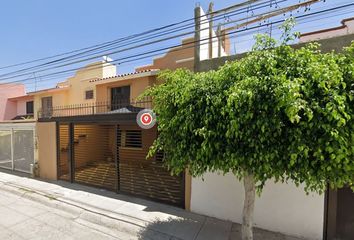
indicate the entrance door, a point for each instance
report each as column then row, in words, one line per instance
column 340, row 218
column 120, row 97
column 47, row 106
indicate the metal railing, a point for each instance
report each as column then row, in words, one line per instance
column 96, row 108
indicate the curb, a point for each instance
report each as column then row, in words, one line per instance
column 117, row 224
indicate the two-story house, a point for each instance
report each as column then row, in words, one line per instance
column 88, row 133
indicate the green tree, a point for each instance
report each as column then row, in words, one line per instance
column 279, row 113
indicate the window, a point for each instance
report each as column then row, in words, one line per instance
column 120, row 97
column 130, row 138
column 89, row 94
column 47, row 106
column 29, row 107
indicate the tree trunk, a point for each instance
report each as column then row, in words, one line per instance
column 248, row 207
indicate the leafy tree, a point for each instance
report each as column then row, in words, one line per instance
column 279, row 113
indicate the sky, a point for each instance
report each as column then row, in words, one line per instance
column 39, row 28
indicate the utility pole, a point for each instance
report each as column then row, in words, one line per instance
column 197, row 13
column 210, row 13
column 35, row 81
column 218, row 34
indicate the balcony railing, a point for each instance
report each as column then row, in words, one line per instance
column 96, row 108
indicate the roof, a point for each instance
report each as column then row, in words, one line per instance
column 143, row 73
column 20, row 97
column 329, row 29
column 49, row 90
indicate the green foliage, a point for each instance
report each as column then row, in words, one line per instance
column 279, row 113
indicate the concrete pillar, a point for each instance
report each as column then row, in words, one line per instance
column 210, row 13
column 197, row 12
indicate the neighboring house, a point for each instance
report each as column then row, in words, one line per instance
column 17, row 130
column 346, row 28
column 9, row 107
column 24, row 107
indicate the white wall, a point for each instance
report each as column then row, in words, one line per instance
column 204, row 36
column 282, row 207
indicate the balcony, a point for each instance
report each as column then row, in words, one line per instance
column 96, row 108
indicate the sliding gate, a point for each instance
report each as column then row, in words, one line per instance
column 17, row 147
column 114, row 157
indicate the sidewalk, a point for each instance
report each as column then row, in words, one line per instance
column 124, row 216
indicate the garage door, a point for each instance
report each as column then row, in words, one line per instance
column 114, row 157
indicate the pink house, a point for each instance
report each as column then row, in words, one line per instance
column 14, row 104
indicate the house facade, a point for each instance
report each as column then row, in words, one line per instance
column 87, row 131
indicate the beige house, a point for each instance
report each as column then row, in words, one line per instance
column 86, row 130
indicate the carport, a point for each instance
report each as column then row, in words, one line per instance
column 110, row 153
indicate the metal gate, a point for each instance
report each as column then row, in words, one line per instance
column 340, row 214
column 17, row 147
column 113, row 157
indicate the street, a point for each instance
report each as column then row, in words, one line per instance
column 26, row 219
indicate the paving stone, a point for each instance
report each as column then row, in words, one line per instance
column 259, row 234
column 10, row 217
column 36, row 230
column 215, row 229
column 9, row 235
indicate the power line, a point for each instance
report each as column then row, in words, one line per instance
column 35, row 68
column 127, row 49
column 138, row 56
column 123, row 38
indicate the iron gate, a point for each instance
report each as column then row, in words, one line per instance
column 17, row 148
column 114, row 157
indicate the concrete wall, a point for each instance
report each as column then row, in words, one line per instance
column 282, row 207
column 178, row 57
column 327, row 45
column 204, row 37
column 21, row 107
column 346, row 28
column 47, row 150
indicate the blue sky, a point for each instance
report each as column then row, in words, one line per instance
column 39, row 28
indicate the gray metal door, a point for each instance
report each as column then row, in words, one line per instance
column 17, row 149
column 23, row 149
column 5, row 149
